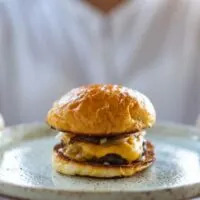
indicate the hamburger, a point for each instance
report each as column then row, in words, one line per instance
column 102, row 131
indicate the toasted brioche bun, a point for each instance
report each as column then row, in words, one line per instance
column 66, row 166
column 98, row 110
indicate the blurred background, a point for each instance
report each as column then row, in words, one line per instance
column 48, row 47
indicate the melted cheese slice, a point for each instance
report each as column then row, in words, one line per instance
column 130, row 149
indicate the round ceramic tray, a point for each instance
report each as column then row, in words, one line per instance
column 25, row 168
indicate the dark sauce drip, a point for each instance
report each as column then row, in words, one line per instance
column 97, row 140
column 110, row 159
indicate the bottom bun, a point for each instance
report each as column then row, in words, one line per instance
column 65, row 166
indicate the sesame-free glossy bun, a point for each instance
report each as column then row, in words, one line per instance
column 100, row 110
column 66, row 166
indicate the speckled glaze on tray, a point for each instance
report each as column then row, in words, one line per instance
column 25, row 168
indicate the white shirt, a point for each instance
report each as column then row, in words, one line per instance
column 48, row 47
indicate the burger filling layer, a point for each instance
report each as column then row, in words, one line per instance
column 105, row 150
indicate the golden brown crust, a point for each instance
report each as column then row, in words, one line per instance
column 66, row 166
column 102, row 110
